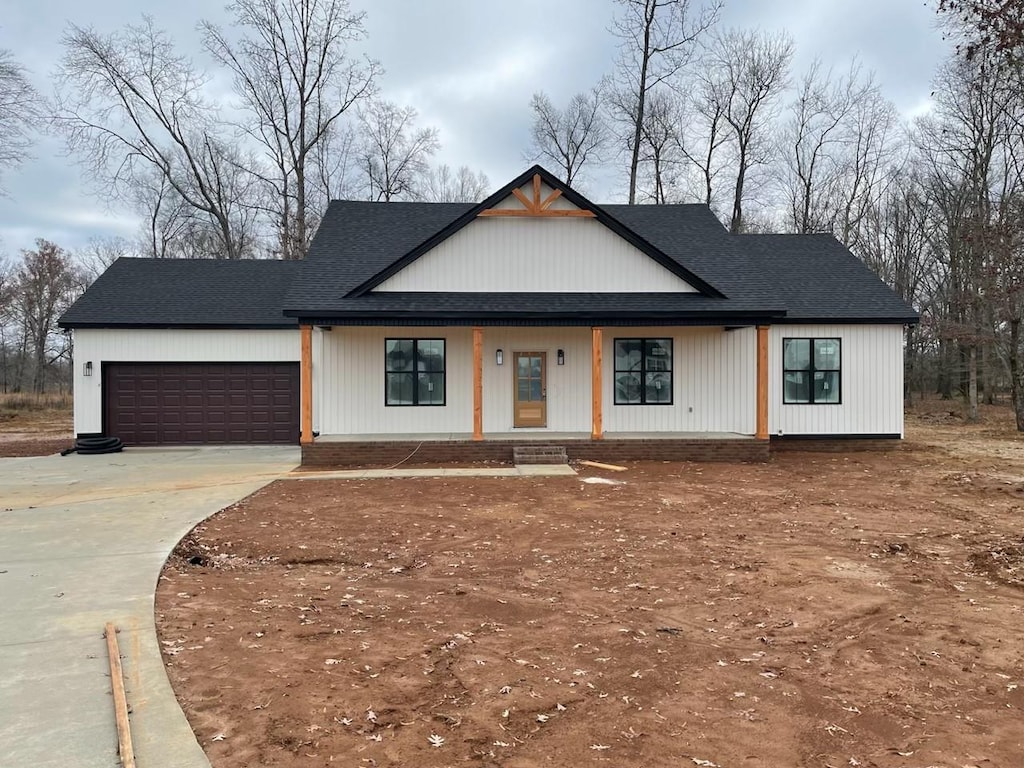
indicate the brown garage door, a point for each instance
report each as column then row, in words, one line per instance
column 193, row 403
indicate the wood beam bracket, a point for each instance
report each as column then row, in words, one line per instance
column 535, row 206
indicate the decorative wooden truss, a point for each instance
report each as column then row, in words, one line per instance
column 537, row 206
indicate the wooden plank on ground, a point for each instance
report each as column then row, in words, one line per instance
column 124, row 731
column 599, row 465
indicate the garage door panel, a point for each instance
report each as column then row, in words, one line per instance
column 196, row 403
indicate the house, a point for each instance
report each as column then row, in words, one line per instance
column 457, row 330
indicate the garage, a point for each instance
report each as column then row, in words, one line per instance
column 201, row 403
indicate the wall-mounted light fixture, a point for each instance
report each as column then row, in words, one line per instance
column 87, row 369
column 561, row 357
column 499, row 357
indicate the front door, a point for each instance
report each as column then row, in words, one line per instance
column 530, row 408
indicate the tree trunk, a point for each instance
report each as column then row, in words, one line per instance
column 1016, row 395
column 641, row 98
column 972, row 384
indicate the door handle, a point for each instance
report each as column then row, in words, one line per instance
column 544, row 393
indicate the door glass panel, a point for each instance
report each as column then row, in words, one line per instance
column 523, row 364
column 535, row 394
column 524, row 390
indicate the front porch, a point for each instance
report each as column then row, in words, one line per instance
column 390, row 449
column 450, row 394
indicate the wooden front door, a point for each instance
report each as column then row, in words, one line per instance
column 529, row 389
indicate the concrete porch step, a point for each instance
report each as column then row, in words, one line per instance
column 539, row 454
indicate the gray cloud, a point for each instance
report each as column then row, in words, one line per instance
column 469, row 67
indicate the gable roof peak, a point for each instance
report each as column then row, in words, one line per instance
column 537, row 174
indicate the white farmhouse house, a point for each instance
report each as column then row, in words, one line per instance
column 463, row 329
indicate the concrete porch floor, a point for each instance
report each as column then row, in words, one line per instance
column 526, row 436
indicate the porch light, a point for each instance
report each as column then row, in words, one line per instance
column 499, row 358
column 87, row 369
column 561, row 357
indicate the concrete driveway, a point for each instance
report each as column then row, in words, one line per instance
column 82, row 541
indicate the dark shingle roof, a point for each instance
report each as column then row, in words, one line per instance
column 803, row 277
column 818, row 278
column 177, row 292
column 743, row 279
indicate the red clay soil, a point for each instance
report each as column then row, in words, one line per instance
column 819, row 610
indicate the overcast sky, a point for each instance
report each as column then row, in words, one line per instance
column 468, row 66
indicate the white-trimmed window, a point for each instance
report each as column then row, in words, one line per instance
column 811, row 371
column 414, row 372
column 643, row 371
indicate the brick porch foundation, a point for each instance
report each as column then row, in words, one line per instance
column 351, row 454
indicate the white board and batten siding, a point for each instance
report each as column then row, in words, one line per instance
column 535, row 255
column 348, row 383
column 713, row 382
column 109, row 345
column 871, row 383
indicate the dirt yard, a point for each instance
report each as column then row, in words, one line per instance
column 864, row 609
column 34, row 425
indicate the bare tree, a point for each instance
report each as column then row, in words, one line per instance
column 993, row 25
column 393, row 153
column 19, row 112
column 442, row 185
column 661, row 155
column 814, row 143
column 704, row 135
column 750, row 72
column 839, row 145
column 571, row 137
column 44, row 286
column 656, row 40
column 99, row 253
column 128, row 103
column 296, row 78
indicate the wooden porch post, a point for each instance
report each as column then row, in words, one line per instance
column 596, row 390
column 478, row 383
column 306, row 385
column 762, row 382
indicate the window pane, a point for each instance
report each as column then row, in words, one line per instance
column 796, row 354
column 399, row 388
column 523, row 364
column 826, row 354
column 659, row 387
column 658, row 354
column 430, row 355
column 628, row 353
column 826, row 387
column 627, row 388
column 524, row 390
column 535, row 395
column 796, row 388
column 398, row 355
column 535, row 367
column 431, row 388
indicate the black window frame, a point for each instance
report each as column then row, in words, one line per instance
column 643, row 340
column 812, row 369
column 415, row 372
